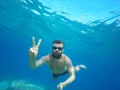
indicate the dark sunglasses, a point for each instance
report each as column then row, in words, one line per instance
column 59, row 48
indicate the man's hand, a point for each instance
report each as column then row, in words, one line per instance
column 60, row 86
column 34, row 49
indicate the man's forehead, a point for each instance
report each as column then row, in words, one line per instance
column 58, row 44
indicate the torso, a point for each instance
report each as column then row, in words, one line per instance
column 57, row 66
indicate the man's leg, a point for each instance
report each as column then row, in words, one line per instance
column 78, row 67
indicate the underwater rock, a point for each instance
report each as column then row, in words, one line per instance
column 19, row 85
column 4, row 85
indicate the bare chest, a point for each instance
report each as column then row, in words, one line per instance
column 57, row 65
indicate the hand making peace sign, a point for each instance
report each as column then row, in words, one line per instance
column 34, row 49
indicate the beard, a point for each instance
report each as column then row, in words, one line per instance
column 56, row 55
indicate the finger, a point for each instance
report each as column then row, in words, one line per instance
column 38, row 44
column 33, row 41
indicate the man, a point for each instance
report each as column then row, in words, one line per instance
column 58, row 62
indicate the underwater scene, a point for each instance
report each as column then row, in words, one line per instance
column 90, row 30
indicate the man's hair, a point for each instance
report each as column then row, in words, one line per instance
column 58, row 42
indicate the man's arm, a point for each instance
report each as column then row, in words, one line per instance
column 33, row 63
column 32, row 59
column 71, row 78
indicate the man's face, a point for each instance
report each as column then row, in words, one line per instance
column 57, row 50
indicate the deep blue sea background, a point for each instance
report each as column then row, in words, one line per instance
column 95, row 44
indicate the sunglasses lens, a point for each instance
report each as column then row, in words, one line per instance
column 54, row 48
column 59, row 48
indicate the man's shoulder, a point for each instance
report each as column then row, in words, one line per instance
column 67, row 60
column 65, row 56
column 46, row 57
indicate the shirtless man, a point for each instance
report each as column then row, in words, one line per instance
column 58, row 62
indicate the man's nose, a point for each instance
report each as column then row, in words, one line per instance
column 57, row 49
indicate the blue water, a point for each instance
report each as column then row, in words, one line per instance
column 95, row 44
